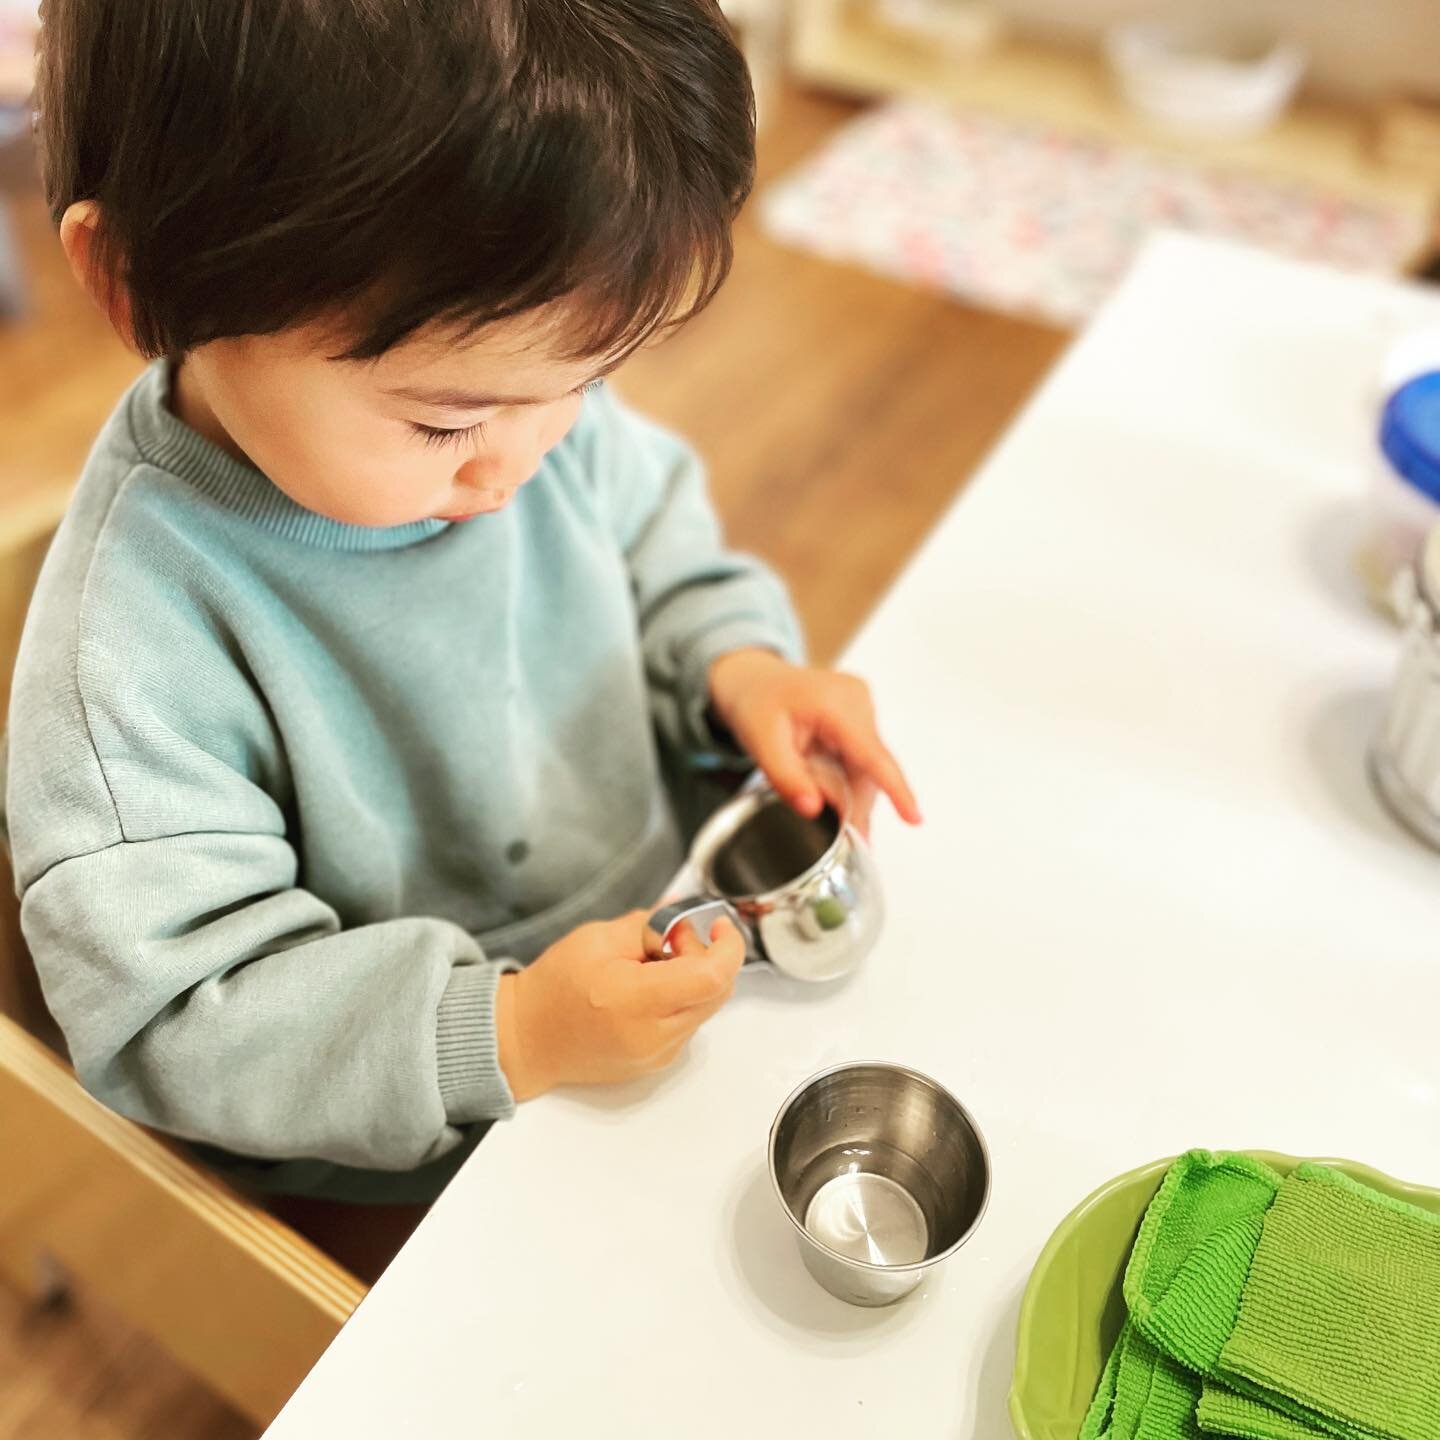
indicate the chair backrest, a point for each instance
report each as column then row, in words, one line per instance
column 234, row 1293
column 241, row 1299
column 22, row 549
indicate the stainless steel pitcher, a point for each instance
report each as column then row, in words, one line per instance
column 804, row 893
column 1405, row 755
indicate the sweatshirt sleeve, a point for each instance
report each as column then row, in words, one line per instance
column 203, row 992
column 201, row 987
column 696, row 600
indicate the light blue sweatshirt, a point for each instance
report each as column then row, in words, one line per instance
column 285, row 796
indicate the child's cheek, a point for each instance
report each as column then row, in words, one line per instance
column 559, row 427
column 382, row 484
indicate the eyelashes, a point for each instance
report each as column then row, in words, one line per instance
column 435, row 435
column 431, row 435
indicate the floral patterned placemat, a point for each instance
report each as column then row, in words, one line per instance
column 1044, row 223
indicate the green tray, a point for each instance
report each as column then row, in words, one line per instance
column 1073, row 1307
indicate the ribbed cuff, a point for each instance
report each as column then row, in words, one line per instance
column 472, row 1084
column 694, row 677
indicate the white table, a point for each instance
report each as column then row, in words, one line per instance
column 1155, row 906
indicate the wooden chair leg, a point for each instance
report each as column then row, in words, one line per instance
column 238, row 1297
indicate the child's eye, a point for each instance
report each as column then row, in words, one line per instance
column 432, row 435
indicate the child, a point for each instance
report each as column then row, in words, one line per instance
column 339, row 717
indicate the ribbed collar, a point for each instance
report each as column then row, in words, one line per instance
column 168, row 443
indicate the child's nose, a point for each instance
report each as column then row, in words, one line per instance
column 493, row 472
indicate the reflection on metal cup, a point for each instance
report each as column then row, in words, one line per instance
column 883, row 1173
column 803, row 891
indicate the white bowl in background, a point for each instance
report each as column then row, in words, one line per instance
column 1203, row 80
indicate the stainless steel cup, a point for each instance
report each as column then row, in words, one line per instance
column 882, row 1172
column 804, row 892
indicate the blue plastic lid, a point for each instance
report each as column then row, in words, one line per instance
column 1410, row 432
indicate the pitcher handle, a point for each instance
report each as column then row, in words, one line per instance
column 701, row 911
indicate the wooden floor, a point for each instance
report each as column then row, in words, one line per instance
column 840, row 413
column 77, row 1373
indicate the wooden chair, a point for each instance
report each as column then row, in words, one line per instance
column 242, row 1299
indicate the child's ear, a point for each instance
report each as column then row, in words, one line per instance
column 94, row 268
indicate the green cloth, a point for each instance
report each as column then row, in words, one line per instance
column 1223, row 1412
column 1340, row 1322
column 1198, row 1233
column 1143, row 1395
column 1191, row 1257
column 1288, row 1309
column 285, row 796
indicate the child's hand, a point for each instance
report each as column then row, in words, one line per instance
column 591, row 1011
column 779, row 712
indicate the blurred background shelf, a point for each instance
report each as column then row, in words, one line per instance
column 844, row 45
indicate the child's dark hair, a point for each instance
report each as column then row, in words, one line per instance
column 260, row 163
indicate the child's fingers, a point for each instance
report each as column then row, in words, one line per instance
column 842, row 788
column 684, row 1023
column 672, row 1051
column 698, row 979
column 624, row 936
column 864, row 749
column 862, row 803
column 690, row 985
column 727, row 948
column 835, row 783
column 784, row 765
column 684, row 942
column 690, row 1019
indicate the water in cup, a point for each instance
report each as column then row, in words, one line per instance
column 863, row 1203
